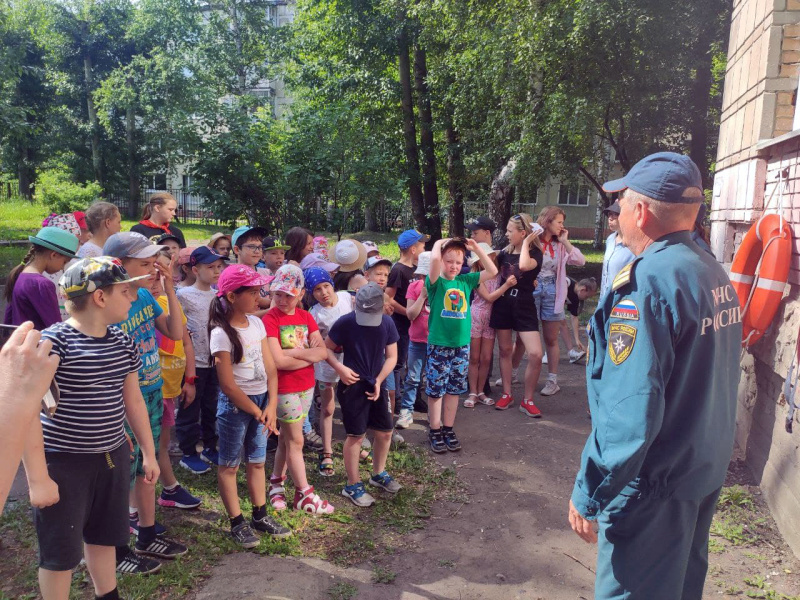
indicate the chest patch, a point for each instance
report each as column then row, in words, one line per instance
column 625, row 309
column 621, row 338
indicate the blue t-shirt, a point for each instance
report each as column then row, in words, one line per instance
column 141, row 326
column 363, row 347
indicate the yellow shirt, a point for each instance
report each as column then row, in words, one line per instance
column 173, row 357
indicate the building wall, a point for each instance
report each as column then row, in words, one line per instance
column 756, row 144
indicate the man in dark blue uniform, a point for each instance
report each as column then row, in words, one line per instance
column 662, row 376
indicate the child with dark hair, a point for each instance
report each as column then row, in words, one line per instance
column 248, row 246
column 246, row 413
column 449, row 324
column 30, row 296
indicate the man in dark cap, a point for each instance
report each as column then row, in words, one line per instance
column 662, row 378
column 617, row 254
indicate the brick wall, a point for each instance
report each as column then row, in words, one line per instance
column 758, row 106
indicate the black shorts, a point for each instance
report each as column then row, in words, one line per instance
column 92, row 506
column 360, row 413
column 515, row 312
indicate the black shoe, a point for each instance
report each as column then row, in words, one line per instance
column 244, row 536
column 437, row 441
column 161, row 547
column 451, row 441
column 268, row 525
column 133, row 564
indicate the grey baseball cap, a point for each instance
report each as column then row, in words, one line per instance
column 369, row 305
column 129, row 244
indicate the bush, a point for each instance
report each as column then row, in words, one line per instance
column 60, row 195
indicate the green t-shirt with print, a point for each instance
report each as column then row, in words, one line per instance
column 450, row 320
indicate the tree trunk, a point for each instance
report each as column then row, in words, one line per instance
column 370, row 222
column 25, row 173
column 133, row 167
column 237, row 36
column 94, row 126
column 701, row 96
column 455, row 181
column 501, row 197
column 426, row 144
column 409, row 129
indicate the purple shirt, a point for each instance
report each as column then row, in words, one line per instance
column 34, row 299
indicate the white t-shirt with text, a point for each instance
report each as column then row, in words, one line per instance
column 249, row 374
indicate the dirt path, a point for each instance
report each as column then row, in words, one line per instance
column 511, row 539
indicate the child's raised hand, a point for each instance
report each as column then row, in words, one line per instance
column 348, row 376
column 166, row 273
column 472, row 245
column 44, row 493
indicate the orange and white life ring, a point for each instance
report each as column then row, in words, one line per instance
column 759, row 274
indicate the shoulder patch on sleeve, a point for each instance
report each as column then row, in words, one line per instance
column 621, row 338
column 625, row 309
column 623, row 277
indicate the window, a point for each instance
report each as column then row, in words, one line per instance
column 156, row 182
column 572, row 195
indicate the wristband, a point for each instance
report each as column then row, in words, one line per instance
column 191, row 380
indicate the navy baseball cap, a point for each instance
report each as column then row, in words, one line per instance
column 410, row 237
column 204, row 255
column 663, row 176
column 316, row 275
column 481, row 223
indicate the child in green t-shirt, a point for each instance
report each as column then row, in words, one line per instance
column 449, row 326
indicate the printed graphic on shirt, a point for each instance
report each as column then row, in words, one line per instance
column 455, row 304
column 626, row 309
column 621, row 338
column 294, row 336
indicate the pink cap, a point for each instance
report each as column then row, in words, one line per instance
column 237, row 276
column 184, row 254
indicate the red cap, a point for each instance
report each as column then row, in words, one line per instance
column 80, row 217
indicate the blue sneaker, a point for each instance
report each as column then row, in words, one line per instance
column 194, row 464
column 178, row 498
column 134, row 525
column 386, row 482
column 210, row 455
column 358, row 494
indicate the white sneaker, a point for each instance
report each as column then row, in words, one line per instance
column 576, row 355
column 498, row 382
column 544, row 359
column 514, row 378
column 397, row 438
column 550, row 388
column 405, row 419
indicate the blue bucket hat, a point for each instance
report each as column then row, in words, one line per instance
column 316, row 275
column 663, row 176
column 410, row 237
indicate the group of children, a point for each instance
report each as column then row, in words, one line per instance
column 158, row 335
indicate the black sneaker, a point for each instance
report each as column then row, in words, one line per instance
column 437, row 441
column 244, row 536
column 133, row 564
column 268, row 525
column 161, row 547
column 451, row 441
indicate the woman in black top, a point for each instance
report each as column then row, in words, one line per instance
column 157, row 218
column 516, row 309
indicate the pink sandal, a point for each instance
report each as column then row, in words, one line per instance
column 308, row 502
column 277, row 493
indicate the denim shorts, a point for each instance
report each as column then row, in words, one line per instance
column 239, row 431
column 446, row 371
column 546, row 296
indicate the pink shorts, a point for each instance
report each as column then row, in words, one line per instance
column 168, row 418
column 480, row 325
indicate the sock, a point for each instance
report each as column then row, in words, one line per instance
column 445, row 429
column 112, row 595
column 146, row 536
column 171, row 488
column 122, row 552
column 133, row 512
column 237, row 520
column 552, row 377
column 432, row 430
column 259, row 512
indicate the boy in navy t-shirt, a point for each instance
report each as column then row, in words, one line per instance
column 365, row 336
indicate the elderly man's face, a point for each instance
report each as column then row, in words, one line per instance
column 626, row 222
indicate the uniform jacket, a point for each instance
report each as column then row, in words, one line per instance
column 662, row 375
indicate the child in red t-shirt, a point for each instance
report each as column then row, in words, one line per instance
column 296, row 344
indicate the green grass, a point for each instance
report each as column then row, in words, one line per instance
column 352, row 535
column 10, row 257
column 21, row 219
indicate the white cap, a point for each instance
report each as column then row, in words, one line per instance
column 350, row 254
column 486, row 248
column 423, row 263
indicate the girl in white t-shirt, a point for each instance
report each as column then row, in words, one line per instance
column 330, row 306
column 246, row 413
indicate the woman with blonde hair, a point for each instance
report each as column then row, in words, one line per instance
column 515, row 310
column 558, row 252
